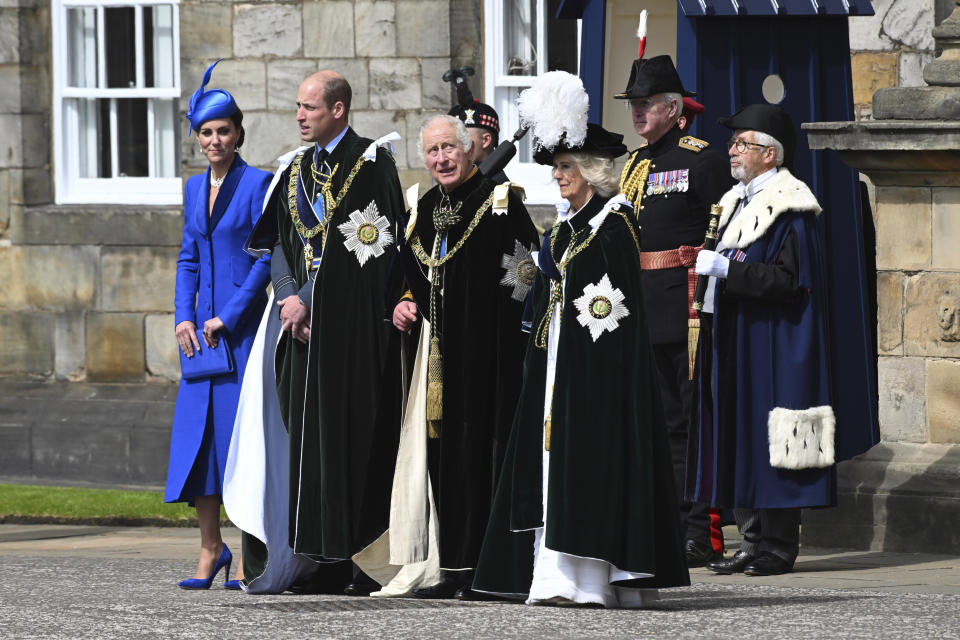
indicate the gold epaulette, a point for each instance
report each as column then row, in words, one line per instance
column 693, row 144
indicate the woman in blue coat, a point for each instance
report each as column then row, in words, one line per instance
column 220, row 289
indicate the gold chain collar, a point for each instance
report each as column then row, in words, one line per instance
column 330, row 202
column 433, row 263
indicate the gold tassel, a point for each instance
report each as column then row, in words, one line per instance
column 693, row 336
column 434, row 387
column 546, row 431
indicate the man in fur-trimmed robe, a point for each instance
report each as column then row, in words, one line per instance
column 765, row 439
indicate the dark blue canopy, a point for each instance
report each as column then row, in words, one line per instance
column 790, row 8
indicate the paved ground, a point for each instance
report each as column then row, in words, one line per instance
column 97, row 582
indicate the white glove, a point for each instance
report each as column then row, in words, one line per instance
column 711, row 263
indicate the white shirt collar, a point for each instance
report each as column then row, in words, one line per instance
column 330, row 145
column 755, row 186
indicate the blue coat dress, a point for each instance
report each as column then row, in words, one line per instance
column 215, row 277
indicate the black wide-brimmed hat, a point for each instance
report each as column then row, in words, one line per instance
column 769, row 119
column 599, row 142
column 651, row 76
column 478, row 115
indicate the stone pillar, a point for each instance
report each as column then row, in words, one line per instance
column 904, row 494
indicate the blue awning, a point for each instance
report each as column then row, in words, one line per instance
column 787, row 8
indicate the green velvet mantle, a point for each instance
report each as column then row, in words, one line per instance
column 331, row 392
column 611, row 488
column 482, row 344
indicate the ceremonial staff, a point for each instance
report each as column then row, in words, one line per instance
column 709, row 244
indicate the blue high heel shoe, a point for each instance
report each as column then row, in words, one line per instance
column 232, row 584
column 225, row 559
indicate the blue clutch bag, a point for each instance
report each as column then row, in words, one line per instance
column 208, row 362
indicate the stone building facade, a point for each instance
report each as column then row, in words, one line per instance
column 903, row 494
column 86, row 290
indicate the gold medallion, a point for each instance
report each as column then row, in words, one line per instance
column 367, row 233
column 600, row 307
column 526, row 270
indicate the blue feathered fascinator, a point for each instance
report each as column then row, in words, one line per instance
column 209, row 105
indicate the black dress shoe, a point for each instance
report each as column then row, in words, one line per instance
column 360, row 588
column 735, row 564
column 768, row 564
column 698, row 554
column 441, row 591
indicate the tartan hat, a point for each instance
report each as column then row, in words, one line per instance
column 479, row 115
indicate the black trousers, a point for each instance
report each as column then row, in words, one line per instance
column 676, row 391
column 770, row 530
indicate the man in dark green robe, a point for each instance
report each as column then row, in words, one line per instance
column 466, row 264
column 331, row 220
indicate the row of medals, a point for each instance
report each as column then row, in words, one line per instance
column 668, row 182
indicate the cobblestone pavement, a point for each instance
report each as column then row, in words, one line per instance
column 97, row 582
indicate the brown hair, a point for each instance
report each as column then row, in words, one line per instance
column 237, row 119
column 337, row 89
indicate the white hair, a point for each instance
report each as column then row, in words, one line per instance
column 768, row 140
column 675, row 98
column 466, row 142
column 598, row 171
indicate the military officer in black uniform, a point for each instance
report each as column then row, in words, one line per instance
column 672, row 180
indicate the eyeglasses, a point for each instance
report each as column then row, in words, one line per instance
column 742, row 144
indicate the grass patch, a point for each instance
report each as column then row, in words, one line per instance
column 69, row 505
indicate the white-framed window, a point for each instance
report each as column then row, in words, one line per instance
column 116, row 91
column 522, row 40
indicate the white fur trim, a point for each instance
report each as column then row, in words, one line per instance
column 801, row 438
column 783, row 193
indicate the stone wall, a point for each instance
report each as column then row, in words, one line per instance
column 393, row 53
column 917, row 219
column 86, row 292
column 918, row 290
column 890, row 48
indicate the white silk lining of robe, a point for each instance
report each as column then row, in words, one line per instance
column 407, row 555
column 256, row 487
column 562, row 578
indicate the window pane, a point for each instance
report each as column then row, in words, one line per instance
column 121, row 47
column 95, row 146
column 520, row 37
column 82, row 47
column 506, row 106
column 165, row 141
column 158, row 46
column 87, row 136
column 561, row 41
column 104, row 145
column 131, row 148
